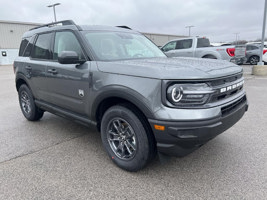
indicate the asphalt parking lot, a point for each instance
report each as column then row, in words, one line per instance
column 58, row 159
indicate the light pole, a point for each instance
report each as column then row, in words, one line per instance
column 263, row 33
column 236, row 38
column 54, row 5
column 189, row 28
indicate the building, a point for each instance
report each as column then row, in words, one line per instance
column 10, row 38
column 11, row 33
column 161, row 39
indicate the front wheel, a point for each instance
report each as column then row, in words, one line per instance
column 125, row 138
column 30, row 111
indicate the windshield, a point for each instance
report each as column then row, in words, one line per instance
column 110, row 46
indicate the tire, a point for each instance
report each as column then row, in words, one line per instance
column 26, row 101
column 125, row 138
column 253, row 60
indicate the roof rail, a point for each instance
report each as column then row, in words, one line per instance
column 124, row 27
column 63, row 23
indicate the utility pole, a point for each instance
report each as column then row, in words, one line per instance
column 54, row 5
column 189, row 28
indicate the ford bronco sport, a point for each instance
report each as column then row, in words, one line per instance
column 117, row 80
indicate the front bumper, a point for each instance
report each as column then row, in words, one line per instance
column 180, row 138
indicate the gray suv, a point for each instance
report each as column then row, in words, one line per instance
column 118, row 81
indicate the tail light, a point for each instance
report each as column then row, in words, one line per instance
column 264, row 51
column 231, row 51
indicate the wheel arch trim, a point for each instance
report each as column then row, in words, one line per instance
column 125, row 94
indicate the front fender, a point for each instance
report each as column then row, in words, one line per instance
column 124, row 93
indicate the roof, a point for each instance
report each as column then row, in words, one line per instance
column 69, row 24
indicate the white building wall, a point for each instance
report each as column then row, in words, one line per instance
column 7, row 56
column 161, row 39
column 10, row 38
column 11, row 33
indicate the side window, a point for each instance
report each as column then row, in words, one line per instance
column 66, row 41
column 41, row 49
column 169, row 46
column 23, row 46
column 184, row 44
column 203, row 42
column 28, row 49
column 254, row 47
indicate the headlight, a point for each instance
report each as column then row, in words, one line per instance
column 188, row 94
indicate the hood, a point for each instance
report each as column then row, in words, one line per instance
column 171, row 68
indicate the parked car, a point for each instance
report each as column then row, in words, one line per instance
column 253, row 53
column 118, row 81
column 264, row 57
column 200, row 47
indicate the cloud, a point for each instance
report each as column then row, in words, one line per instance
column 216, row 19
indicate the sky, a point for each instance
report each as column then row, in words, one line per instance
column 219, row 20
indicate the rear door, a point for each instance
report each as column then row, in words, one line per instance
column 179, row 48
column 36, row 64
column 68, row 84
column 184, row 48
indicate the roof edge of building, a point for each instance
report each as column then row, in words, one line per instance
column 163, row 34
column 19, row 22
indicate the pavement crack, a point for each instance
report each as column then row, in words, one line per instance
column 42, row 149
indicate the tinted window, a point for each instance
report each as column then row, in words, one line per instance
column 41, row 49
column 66, row 41
column 184, row 44
column 23, row 46
column 254, row 47
column 29, row 47
column 169, row 46
column 26, row 46
column 203, row 42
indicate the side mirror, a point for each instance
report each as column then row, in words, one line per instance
column 69, row 57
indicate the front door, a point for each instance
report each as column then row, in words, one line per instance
column 68, row 84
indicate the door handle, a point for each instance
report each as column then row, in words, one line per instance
column 28, row 67
column 52, row 71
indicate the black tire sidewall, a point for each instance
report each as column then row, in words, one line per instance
column 256, row 57
column 142, row 153
column 34, row 114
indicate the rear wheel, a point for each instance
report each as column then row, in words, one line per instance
column 253, row 60
column 125, row 138
column 30, row 111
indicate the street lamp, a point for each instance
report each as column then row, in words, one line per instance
column 189, row 27
column 54, row 5
column 236, row 38
column 263, row 34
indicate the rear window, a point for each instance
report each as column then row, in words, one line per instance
column 26, row 46
column 23, row 45
column 203, row 42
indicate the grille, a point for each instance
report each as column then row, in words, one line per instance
column 230, row 108
column 226, row 87
column 226, row 80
